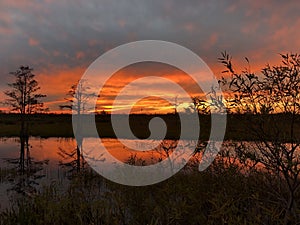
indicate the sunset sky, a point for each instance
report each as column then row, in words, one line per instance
column 59, row 39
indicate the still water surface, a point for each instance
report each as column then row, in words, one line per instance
column 49, row 154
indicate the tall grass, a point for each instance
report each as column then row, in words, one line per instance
column 219, row 195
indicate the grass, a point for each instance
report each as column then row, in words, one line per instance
column 218, row 195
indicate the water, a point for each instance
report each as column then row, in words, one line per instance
column 45, row 162
column 50, row 159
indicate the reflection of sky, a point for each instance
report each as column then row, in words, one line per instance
column 47, row 149
column 61, row 38
column 40, row 150
column 9, row 147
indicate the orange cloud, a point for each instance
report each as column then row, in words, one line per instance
column 230, row 9
column 80, row 55
column 122, row 23
column 56, row 82
column 148, row 103
column 190, row 27
column 212, row 40
column 94, row 42
column 33, row 42
column 152, row 104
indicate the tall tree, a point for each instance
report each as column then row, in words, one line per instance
column 23, row 98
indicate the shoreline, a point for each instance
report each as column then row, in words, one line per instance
column 238, row 127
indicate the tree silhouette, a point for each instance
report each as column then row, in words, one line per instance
column 23, row 98
column 272, row 102
column 78, row 97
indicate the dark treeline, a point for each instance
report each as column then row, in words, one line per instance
column 60, row 125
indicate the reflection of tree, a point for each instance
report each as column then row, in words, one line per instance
column 24, row 181
column 72, row 159
column 135, row 160
column 166, row 150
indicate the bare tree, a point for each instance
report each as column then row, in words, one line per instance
column 77, row 100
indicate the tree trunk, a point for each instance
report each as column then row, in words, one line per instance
column 78, row 155
column 289, row 216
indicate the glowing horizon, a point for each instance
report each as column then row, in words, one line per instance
column 61, row 39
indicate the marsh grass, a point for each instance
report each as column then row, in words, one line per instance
column 219, row 195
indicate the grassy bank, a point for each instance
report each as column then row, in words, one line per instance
column 218, row 195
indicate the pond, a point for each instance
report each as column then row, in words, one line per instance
column 44, row 160
column 54, row 160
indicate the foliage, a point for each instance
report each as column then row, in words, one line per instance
column 275, row 90
column 23, row 96
column 212, row 103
